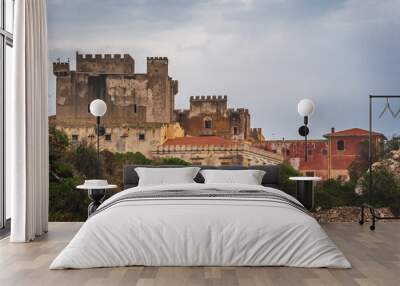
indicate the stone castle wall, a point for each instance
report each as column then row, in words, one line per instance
column 131, row 98
column 124, row 139
column 237, row 154
column 225, row 122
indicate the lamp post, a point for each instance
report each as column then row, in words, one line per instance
column 305, row 108
column 98, row 108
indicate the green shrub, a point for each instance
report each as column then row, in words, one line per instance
column 325, row 200
column 385, row 192
column 66, row 203
column 335, row 193
column 285, row 172
column 174, row 161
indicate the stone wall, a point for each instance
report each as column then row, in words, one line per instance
column 237, row 154
column 123, row 139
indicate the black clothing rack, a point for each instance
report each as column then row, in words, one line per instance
column 375, row 217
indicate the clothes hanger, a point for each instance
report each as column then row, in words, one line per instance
column 397, row 113
column 387, row 107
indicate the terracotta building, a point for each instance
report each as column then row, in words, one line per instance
column 327, row 158
column 344, row 147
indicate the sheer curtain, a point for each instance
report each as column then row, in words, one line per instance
column 27, row 125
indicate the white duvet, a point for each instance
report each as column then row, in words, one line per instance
column 199, row 231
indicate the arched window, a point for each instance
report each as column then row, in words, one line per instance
column 340, row 145
column 207, row 123
column 235, row 130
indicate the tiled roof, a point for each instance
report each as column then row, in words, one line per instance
column 352, row 132
column 199, row 141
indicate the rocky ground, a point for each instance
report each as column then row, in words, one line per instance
column 347, row 214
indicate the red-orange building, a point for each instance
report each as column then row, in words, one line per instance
column 327, row 158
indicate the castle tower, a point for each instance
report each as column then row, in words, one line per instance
column 157, row 66
column 61, row 69
column 163, row 89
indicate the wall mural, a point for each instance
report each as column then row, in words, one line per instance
column 156, row 113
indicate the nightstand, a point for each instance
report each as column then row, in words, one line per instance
column 305, row 190
column 96, row 191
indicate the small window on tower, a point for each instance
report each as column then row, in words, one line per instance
column 208, row 124
column 108, row 137
column 141, row 137
column 135, row 108
column 235, row 131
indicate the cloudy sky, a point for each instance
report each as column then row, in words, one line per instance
column 265, row 55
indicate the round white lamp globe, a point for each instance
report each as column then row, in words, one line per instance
column 98, row 107
column 305, row 107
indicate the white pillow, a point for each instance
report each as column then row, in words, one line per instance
column 248, row 177
column 166, row 176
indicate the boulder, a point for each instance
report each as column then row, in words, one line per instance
column 390, row 164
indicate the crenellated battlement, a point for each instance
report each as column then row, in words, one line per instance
column 106, row 57
column 238, row 110
column 61, row 68
column 105, row 63
column 157, row 59
column 209, row 98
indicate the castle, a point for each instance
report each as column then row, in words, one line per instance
column 141, row 113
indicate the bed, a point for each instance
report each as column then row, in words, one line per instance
column 197, row 224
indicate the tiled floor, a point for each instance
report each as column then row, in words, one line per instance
column 375, row 257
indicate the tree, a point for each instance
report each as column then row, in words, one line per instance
column 58, row 144
column 84, row 159
column 58, row 147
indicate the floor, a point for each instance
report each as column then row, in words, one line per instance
column 375, row 256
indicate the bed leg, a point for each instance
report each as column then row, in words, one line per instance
column 361, row 221
column 372, row 227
